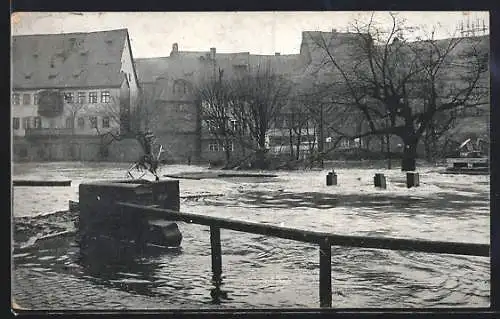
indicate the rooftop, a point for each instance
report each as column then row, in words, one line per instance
column 91, row 59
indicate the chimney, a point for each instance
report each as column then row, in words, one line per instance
column 175, row 49
column 277, row 54
column 212, row 53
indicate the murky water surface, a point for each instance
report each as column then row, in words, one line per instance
column 262, row 272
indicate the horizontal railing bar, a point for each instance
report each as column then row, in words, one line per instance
column 440, row 247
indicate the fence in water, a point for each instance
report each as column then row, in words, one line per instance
column 324, row 240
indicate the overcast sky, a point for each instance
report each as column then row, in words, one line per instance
column 153, row 33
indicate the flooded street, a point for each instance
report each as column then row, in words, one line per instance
column 266, row 272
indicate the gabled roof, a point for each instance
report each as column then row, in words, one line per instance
column 149, row 69
column 68, row 60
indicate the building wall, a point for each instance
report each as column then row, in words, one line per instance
column 79, row 148
column 26, row 113
column 23, row 111
column 128, row 69
column 176, row 129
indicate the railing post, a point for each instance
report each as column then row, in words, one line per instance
column 216, row 253
column 325, row 274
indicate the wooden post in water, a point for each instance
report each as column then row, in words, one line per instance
column 325, row 274
column 216, row 253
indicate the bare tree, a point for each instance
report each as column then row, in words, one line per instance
column 216, row 96
column 398, row 87
column 324, row 117
column 258, row 98
column 110, row 128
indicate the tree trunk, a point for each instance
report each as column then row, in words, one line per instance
column 428, row 152
column 227, row 154
column 260, row 159
column 297, row 155
column 408, row 162
column 388, row 145
column 291, row 143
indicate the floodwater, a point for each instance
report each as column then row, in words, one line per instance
column 266, row 272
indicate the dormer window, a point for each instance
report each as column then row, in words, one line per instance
column 77, row 72
column 84, row 52
column 109, row 41
column 27, row 75
column 35, row 55
column 52, row 75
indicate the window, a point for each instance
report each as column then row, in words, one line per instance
column 81, row 98
column 93, row 121
column 92, row 97
column 37, row 122
column 105, row 122
column 234, row 125
column 26, row 99
column 81, row 123
column 213, row 147
column 15, row 98
column 26, row 122
column 35, row 98
column 345, row 143
column 68, row 97
column 212, row 125
column 15, row 123
column 279, row 121
column 69, row 122
column 230, row 146
column 105, row 97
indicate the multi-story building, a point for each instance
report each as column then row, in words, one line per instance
column 171, row 84
column 180, row 121
column 68, row 90
column 95, row 76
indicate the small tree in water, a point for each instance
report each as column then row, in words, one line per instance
column 149, row 161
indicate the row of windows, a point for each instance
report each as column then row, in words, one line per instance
column 213, row 126
column 16, row 99
column 36, row 122
column 181, row 87
column 69, row 97
column 219, row 147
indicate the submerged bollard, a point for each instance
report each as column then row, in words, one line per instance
column 412, row 180
column 331, row 178
column 379, row 181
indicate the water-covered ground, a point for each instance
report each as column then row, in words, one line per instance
column 260, row 271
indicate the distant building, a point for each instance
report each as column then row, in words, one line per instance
column 94, row 75
column 170, row 85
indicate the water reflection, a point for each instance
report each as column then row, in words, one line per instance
column 124, row 266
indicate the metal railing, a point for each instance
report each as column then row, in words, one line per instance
column 324, row 240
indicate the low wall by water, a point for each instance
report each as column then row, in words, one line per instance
column 77, row 149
